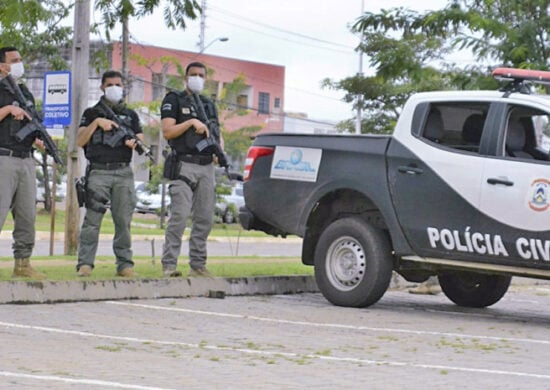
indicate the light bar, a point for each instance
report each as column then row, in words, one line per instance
column 539, row 76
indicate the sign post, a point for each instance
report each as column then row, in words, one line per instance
column 57, row 115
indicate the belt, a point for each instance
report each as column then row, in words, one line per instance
column 109, row 166
column 195, row 158
column 14, row 153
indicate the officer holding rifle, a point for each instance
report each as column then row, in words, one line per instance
column 17, row 167
column 109, row 176
column 190, row 124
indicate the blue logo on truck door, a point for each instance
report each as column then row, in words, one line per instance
column 300, row 164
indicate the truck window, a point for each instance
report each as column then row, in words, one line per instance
column 527, row 134
column 456, row 125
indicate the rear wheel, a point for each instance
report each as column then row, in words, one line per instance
column 470, row 289
column 353, row 263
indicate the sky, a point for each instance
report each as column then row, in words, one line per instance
column 310, row 38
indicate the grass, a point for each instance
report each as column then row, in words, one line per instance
column 62, row 268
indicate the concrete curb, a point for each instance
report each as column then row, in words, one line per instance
column 29, row 292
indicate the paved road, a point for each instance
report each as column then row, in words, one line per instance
column 279, row 342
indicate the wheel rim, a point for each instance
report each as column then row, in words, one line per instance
column 345, row 263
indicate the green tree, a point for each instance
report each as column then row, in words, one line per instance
column 175, row 11
column 34, row 27
column 507, row 32
column 408, row 52
column 236, row 144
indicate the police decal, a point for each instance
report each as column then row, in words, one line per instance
column 472, row 242
column 487, row 244
column 538, row 199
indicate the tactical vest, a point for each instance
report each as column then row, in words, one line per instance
column 187, row 109
column 98, row 148
column 9, row 126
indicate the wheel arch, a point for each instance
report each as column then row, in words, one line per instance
column 335, row 203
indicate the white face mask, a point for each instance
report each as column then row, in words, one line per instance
column 114, row 93
column 195, row 83
column 17, row 70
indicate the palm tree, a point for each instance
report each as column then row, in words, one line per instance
column 175, row 14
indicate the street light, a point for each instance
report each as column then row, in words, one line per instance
column 221, row 39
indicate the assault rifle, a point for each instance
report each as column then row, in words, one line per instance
column 209, row 144
column 34, row 127
column 125, row 132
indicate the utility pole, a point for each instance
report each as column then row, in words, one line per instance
column 80, row 72
column 125, row 39
column 360, row 74
column 203, row 26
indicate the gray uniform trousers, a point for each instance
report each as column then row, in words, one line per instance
column 18, row 193
column 117, row 186
column 198, row 202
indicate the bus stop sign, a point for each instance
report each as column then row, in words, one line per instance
column 57, row 99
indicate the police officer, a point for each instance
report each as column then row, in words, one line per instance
column 193, row 191
column 17, row 167
column 109, row 175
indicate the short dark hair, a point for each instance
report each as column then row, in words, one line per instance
column 5, row 50
column 110, row 74
column 195, row 64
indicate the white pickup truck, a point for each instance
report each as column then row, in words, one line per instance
column 460, row 190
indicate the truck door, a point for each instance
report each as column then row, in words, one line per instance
column 515, row 191
column 435, row 177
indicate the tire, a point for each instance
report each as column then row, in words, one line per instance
column 353, row 263
column 470, row 289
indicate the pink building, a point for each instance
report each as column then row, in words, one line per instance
column 262, row 98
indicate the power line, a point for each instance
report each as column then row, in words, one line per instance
column 229, row 13
column 281, row 38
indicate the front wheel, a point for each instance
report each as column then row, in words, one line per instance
column 470, row 289
column 353, row 263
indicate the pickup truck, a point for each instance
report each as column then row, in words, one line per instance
column 461, row 190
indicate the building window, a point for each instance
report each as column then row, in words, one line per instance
column 263, row 103
column 277, row 106
column 242, row 102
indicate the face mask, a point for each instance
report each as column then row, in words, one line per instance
column 195, row 84
column 114, row 93
column 17, row 70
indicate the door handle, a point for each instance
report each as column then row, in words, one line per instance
column 410, row 170
column 495, row 181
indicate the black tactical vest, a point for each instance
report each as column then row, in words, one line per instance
column 185, row 144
